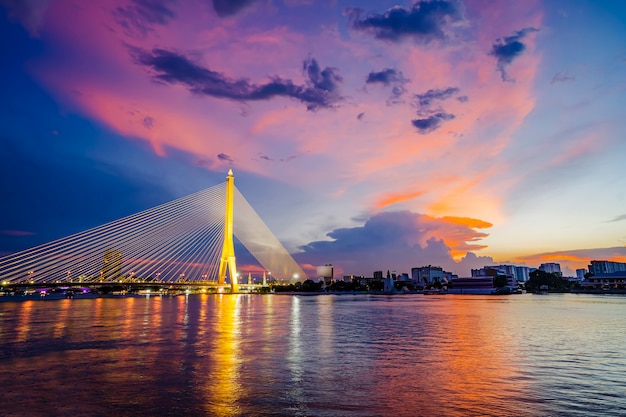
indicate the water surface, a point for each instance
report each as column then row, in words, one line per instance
column 329, row 355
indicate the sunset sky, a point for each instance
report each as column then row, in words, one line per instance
column 371, row 135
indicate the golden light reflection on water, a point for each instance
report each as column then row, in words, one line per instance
column 24, row 321
column 223, row 386
column 61, row 324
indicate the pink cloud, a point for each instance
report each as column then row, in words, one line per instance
column 16, row 233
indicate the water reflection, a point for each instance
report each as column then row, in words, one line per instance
column 240, row 355
column 24, row 321
column 223, row 386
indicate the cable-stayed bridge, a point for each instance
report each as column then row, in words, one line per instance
column 187, row 240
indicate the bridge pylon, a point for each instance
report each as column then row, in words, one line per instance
column 228, row 249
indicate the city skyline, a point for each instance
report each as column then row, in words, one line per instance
column 368, row 135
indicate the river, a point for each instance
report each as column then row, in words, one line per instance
column 326, row 355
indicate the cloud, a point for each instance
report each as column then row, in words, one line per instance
column 561, row 77
column 423, row 22
column 394, row 198
column 431, row 117
column 141, row 15
column 618, row 218
column 268, row 158
column 505, row 50
column 320, row 90
column 431, row 123
column 225, row 8
column 397, row 240
column 224, row 157
column 427, row 98
column 387, row 77
column 148, row 122
column 325, row 80
column 16, row 233
column 29, row 13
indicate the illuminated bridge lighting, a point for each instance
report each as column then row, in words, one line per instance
column 182, row 240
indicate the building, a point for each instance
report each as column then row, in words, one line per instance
column 551, row 268
column 474, row 285
column 522, row 273
column 614, row 281
column 427, row 275
column 580, row 274
column 494, row 271
column 378, row 275
column 519, row 273
column 325, row 273
column 606, row 267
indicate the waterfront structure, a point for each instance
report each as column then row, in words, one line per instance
column 507, row 271
column 551, row 268
column 472, row 285
column 606, row 267
column 325, row 273
column 186, row 240
column 427, row 275
column 580, row 273
column 611, row 281
column 521, row 273
column 227, row 261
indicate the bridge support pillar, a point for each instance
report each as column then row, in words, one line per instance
column 228, row 249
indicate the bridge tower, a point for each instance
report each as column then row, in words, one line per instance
column 228, row 250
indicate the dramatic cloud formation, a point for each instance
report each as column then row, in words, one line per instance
column 387, row 77
column 505, row 50
column 140, row 15
column 171, row 67
column 424, row 21
column 209, row 85
column 225, row 8
column 399, row 241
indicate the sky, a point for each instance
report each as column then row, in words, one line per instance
column 371, row 135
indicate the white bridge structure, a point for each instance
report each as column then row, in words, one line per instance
column 185, row 240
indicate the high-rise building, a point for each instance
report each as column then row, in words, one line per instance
column 580, row 274
column 519, row 273
column 326, row 273
column 522, row 273
column 606, row 267
column 551, row 268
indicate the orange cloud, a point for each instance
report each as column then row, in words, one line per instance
column 391, row 199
